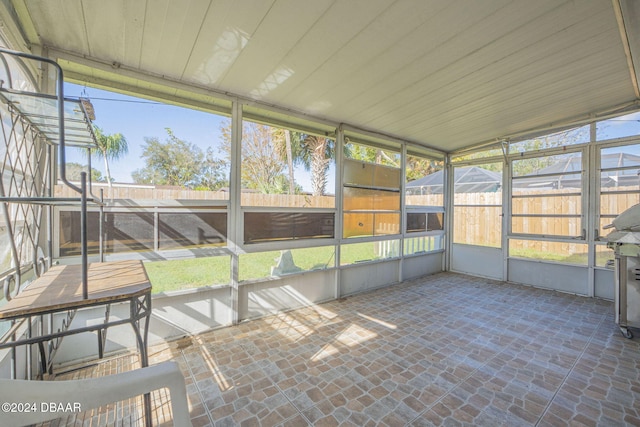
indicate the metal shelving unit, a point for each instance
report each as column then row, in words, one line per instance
column 61, row 123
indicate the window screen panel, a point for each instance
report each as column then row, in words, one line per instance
column 127, row 231
column 358, row 173
column 192, row 229
column 423, row 221
column 123, row 232
column 416, row 222
column 366, row 174
column 358, row 224
column 435, row 221
column 386, row 224
column 274, row 226
column 366, row 199
column 386, row 177
column 69, row 236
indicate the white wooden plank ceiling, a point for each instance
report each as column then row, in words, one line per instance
column 446, row 73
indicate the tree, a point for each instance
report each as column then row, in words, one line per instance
column 109, row 147
column 180, row 163
column 371, row 154
column 288, row 146
column 289, row 149
column 262, row 161
column 213, row 173
column 74, row 169
column 529, row 165
column 418, row 167
column 311, row 151
column 316, row 155
column 174, row 162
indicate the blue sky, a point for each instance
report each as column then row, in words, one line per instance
column 136, row 119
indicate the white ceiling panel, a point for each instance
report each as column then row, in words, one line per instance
column 63, row 21
column 171, row 29
column 318, row 47
column 224, row 34
column 259, row 66
column 358, row 56
column 455, row 65
column 445, row 73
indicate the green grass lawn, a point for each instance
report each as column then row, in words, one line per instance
column 188, row 273
column 197, row 272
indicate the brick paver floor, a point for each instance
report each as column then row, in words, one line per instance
column 446, row 349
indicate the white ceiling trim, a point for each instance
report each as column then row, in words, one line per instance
column 624, row 36
column 608, row 113
column 115, row 67
column 382, row 136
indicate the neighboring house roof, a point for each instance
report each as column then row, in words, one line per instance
column 468, row 179
column 562, row 174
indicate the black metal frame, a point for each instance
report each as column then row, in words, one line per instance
column 140, row 303
column 139, row 310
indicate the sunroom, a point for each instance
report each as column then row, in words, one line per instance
column 398, row 213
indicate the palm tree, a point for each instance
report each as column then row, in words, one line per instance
column 287, row 146
column 109, row 147
column 311, row 151
column 316, row 155
column 292, row 181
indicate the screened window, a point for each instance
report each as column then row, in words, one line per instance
column 69, row 235
column 354, row 253
column 563, row 138
column 371, row 194
column 423, row 244
column 618, row 127
column 136, row 231
column 424, row 194
column 493, row 152
column 123, row 232
column 547, row 195
column 565, row 252
column 289, row 169
column 191, row 229
column 286, row 168
column 261, row 265
column 619, row 182
column 425, row 221
column 174, row 275
column 275, row 226
column 178, row 157
column 477, row 208
column 424, row 181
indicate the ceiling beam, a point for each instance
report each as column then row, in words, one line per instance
column 627, row 16
column 608, row 113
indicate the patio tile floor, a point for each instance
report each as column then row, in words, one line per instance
column 446, row 349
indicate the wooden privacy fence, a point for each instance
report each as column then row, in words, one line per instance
column 132, row 192
column 478, row 216
column 478, row 219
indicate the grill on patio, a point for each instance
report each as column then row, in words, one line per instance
column 625, row 241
